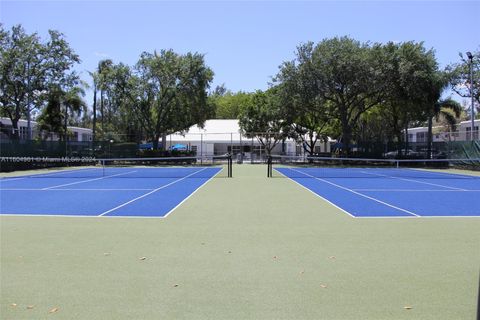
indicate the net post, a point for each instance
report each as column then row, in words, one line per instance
column 269, row 166
column 230, row 164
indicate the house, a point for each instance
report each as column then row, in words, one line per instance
column 224, row 136
column 6, row 129
column 442, row 134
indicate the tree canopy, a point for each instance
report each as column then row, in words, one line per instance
column 29, row 68
column 339, row 87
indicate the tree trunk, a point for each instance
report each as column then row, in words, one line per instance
column 346, row 138
column 164, row 142
column 94, row 126
column 66, row 124
column 156, row 137
column 429, row 137
column 101, row 112
column 15, row 133
column 407, row 142
column 346, row 134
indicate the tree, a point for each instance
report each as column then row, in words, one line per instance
column 413, row 86
column 262, row 120
column 229, row 105
column 104, row 78
column 55, row 115
column 302, row 104
column 459, row 76
column 347, row 76
column 167, row 92
column 449, row 109
column 28, row 68
column 118, row 112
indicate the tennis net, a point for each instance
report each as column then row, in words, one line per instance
column 325, row 167
column 162, row 167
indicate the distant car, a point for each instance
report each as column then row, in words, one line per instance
column 408, row 153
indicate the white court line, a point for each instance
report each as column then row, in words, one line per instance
column 48, row 174
column 149, row 193
column 357, row 193
column 413, row 180
column 316, row 194
column 40, row 175
column 191, row 194
column 414, row 190
column 11, row 179
column 157, row 217
column 67, row 189
column 83, row 181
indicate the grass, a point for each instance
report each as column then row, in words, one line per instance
column 241, row 248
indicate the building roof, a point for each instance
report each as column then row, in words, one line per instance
column 217, row 130
column 23, row 123
column 462, row 124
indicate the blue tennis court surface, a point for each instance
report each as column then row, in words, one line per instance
column 372, row 192
column 126, row 192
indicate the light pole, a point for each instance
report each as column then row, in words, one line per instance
column 470, row 56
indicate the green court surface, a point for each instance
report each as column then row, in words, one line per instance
column 248, row 247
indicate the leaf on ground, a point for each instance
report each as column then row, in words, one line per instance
column 31, row 306
column 107, row 254
column 332, row 258
column 53, row 310
column 408, row 307
column 142, row 258
column 323, row 285
column 275, row 257
column 302, row 272
column 175, row 285
column 13, row 304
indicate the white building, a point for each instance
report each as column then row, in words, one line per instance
column 440, row 134
column 223, row 136
column 78, row 134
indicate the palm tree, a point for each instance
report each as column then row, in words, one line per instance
column 103, row 74
column 448, row 109
column 73, row 102
column 94, row 76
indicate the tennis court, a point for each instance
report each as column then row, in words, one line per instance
column 389, row 191
column 249, row 247
column 132, row 190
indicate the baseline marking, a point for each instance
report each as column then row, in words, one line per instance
column 39, row 175
column 413, row 180
column 357, row 193
column 414, row 190
column 11, row 179
column 66, row 189
column 149, row 193
column 83, row 181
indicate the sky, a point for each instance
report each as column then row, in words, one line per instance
column 244, row 42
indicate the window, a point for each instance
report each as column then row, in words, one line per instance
column 86, row 137
column 469, row 133
column 421, row 136
column 23, row 133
